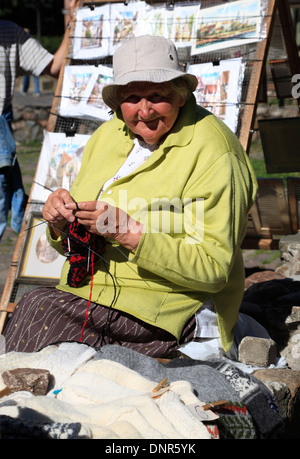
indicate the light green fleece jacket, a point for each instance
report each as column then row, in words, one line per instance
column 199, row 176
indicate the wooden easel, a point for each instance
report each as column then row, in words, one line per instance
column 8, row 302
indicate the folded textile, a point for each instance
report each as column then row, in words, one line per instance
column 11, row 428
column 211, row 380
column 61, row 361
column 107, row 392
column 125, row 395
column 104, row 398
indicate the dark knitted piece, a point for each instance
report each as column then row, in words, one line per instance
column 235, row 422
column 18, row 429
column 78, row 247
column 250, row 410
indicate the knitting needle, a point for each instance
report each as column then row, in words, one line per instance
column 44, row 186
column 52, row 191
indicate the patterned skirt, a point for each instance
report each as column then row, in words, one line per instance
column 47, row 316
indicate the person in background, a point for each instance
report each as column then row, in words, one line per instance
column 25, row 87
column 26, row 81
column 153, row 225
column 19, row 53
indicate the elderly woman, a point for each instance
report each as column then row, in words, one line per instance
column 154, row 222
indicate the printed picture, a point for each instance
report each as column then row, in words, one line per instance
column 180, row 24
column 92, row 104
column 91, row 32
column 124, row 19
column 59, row 164
column 153, row 21
column 218, row 88
column 40, row 260
column 233, row 24
column 75, row 81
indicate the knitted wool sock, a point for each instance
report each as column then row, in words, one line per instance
column 77, row 247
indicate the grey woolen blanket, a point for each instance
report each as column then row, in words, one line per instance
column 211, row 380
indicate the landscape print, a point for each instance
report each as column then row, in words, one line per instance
column 234, row 24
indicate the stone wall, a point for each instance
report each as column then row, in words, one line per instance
column 31, row 113
column 29, row 123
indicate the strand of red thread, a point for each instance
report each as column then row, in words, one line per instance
column 89, row 302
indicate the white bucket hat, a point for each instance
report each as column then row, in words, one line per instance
column 146, row 58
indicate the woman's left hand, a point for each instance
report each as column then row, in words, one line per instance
column 101, row 218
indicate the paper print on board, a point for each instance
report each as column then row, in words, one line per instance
column 59, row 163
column 153, row 21
column 124, row 19
column 219, row 88
column 92, row 104
column 75, row 81
column 233, row 24
column 40, row 260
column 180, row 24
column 91, row 33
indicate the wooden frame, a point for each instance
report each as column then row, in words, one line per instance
column 293, row 192
column 39, row 263
column 256, row 79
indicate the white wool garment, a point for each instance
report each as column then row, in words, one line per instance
column 109, row 400
column 13, row 360
column 61, row 361
column 124, row 395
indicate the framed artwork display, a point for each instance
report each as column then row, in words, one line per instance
column 75, row 81
column 40, row 262
column 91, row 33
column 233, row 24
column 82, row 91
column 219, row 88
column 124, row 19
column 180, row 24
column 92, row 104
column 152, row 21
column 58, row 165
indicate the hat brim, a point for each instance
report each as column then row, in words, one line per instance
column 109, row 92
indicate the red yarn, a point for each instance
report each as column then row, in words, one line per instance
column 89, row 302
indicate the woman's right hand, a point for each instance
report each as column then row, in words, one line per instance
column 55, row 212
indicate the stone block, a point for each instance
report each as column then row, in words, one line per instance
column 293, row 320
column 31, row 380
column 29, row 115
column 290, row 255
column 284, row 384
column 282, row 395
column 259, row 352
column 291, row 352
column 262, row 276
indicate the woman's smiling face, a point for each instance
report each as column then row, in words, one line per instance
column 149, row 109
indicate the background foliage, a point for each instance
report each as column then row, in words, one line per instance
column 44, row 18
